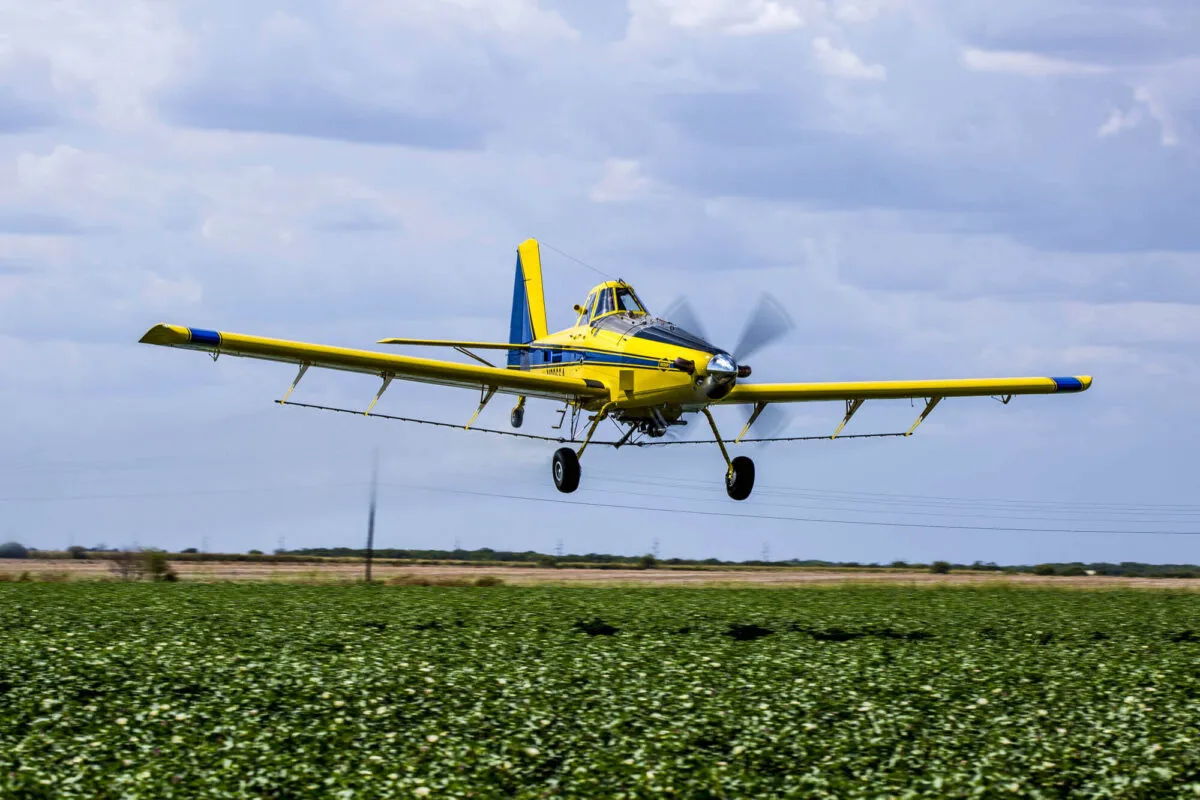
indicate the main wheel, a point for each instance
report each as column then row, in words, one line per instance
column 566, row 470
column 740, row 482
column 517, row 416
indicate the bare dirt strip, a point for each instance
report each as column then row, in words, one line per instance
column 51, row 569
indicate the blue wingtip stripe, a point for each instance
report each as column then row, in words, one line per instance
column 202, row 336
column 1067, row 384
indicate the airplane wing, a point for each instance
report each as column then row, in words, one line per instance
column 855, row 393
column 873, row 390
column 385, row 365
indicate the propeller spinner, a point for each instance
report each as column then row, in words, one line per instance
column 767, row 323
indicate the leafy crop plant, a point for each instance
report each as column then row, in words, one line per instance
column 231, row 691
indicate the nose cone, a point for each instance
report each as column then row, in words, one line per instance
column 722, row 365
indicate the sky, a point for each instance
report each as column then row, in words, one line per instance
column 932, row 188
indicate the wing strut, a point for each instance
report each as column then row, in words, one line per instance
column 303, row 369
column 929, row 406
column 467, row 352
column 758, row 409
column 484, row 397
column 387, row 380
column 851, row 407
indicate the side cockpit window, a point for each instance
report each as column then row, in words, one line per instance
column 604, row 304
column 587, row 310
column 627, row 301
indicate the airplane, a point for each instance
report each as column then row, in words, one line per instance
column 617, row 362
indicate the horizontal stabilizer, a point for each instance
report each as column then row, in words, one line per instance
column 454, row 343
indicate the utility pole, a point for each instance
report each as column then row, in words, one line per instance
column 558, row 549
column 766, row 551
column 371, row 514
column 654, row 548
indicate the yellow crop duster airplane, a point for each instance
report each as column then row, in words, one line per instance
column 617, row 362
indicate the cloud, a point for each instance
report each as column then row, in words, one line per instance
column 91, row 60
column 1032, row 65
column 310, row 78
column 31, row 222
column 18, row 114
column 289, row 106
column 28, row 99
column 732, row 17
column 622, row 181
column 1119, row 121
column 843, row 63
column 1158, row 110
column 354, row 216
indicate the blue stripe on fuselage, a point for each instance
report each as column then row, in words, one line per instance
column 552, row 356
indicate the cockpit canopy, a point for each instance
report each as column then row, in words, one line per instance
column 614, row 297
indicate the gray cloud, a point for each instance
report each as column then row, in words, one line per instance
column 10, row 267
column 316, row 76
column 297, row 109
column 40, row 223
column 18, row 114
column 28, row 97
column 354, row 216
column 1096, row 31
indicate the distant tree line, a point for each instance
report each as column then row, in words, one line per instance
column 1124, row 568
column 486, row 555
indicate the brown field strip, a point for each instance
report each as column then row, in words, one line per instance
column 348, row 571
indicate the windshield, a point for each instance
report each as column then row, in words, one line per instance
column 627, row 301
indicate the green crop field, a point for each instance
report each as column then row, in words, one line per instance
column 176, row 690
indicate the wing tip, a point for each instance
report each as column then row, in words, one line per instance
column 168, row 335
column 181, row 336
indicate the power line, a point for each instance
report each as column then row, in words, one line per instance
column 899, row 499
column 824, row 495
column 599, row 272
column 715, row 496
column 690, row 511
column 782, row 518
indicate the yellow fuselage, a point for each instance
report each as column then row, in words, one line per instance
column 645, row 362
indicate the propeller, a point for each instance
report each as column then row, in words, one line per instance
column 767, row 323
column 681, row 314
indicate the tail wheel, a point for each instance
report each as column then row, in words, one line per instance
column 566, row 471
column 517, row 416
column 739, row 481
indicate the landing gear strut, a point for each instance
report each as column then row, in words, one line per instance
column 565, row 466
column 739, row 473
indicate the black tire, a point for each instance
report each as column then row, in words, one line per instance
column 740, row 483
column 565, row 469
column 517, row 416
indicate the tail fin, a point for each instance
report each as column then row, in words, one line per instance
column 529, row 301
